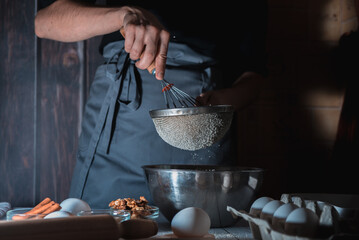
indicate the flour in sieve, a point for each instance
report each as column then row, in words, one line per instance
column 193, row 132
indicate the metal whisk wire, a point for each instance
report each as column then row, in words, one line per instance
column 173, row 95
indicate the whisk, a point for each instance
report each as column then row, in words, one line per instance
column 173, row 95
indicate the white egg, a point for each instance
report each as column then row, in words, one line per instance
column 258, row 205
column 191, row 222
column 269, row 209
column 74, row 205
column 281, row 214
column 58, row 214
column 301, row 222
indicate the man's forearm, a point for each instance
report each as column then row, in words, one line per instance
column 71, row 21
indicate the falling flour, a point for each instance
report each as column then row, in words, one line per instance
column 193, row 132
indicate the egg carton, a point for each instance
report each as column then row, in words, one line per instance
column 331, row 226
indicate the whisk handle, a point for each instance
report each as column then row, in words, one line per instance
column 152, row 68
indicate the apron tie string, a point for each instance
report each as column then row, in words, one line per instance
column 124, row 92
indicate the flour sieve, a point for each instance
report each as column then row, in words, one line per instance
column 192, row 128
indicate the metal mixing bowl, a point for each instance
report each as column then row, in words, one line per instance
column 212, row 188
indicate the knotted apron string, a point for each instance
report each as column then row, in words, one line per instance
column 125, row 92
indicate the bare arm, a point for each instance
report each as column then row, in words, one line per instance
column 70, row 21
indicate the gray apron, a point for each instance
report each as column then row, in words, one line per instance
column 118, row 135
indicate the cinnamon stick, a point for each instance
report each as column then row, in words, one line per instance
column 51, row 209
column 45, row 207
column 42, row 203
column 41, row 209
column 39, row 206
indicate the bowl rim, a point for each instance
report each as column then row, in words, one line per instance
column 201, row 168
column 153, row 210
column 20, row 211
column 104, row 211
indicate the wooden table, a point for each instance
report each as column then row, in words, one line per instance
column 240, row 230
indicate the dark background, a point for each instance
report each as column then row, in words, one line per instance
column 291, row 130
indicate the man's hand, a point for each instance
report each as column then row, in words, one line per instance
column 146, row 40
column 243, row 92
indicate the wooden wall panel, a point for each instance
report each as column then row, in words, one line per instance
column 43, row 87
column 59, row 91
column 17, row 75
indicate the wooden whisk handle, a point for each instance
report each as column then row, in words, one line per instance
column 152, row 68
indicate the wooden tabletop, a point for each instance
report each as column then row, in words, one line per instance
column 240, row 231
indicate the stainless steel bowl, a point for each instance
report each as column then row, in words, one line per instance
column 212, row 188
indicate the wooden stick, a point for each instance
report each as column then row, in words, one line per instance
column 41, row 209
column 38, row 206
column 103, row 227
column 51, row 209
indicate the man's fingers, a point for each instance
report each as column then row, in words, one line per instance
column 138, row 44
column 129, row 31
column 204, row 98
column 147, row 57
column 160, row 66
column 161, row 57
column 149, row 53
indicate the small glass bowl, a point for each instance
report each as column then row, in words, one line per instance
column 119, row 215
column 19, row 214
column 151, row 213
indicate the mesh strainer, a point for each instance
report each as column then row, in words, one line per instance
column 192, row 128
